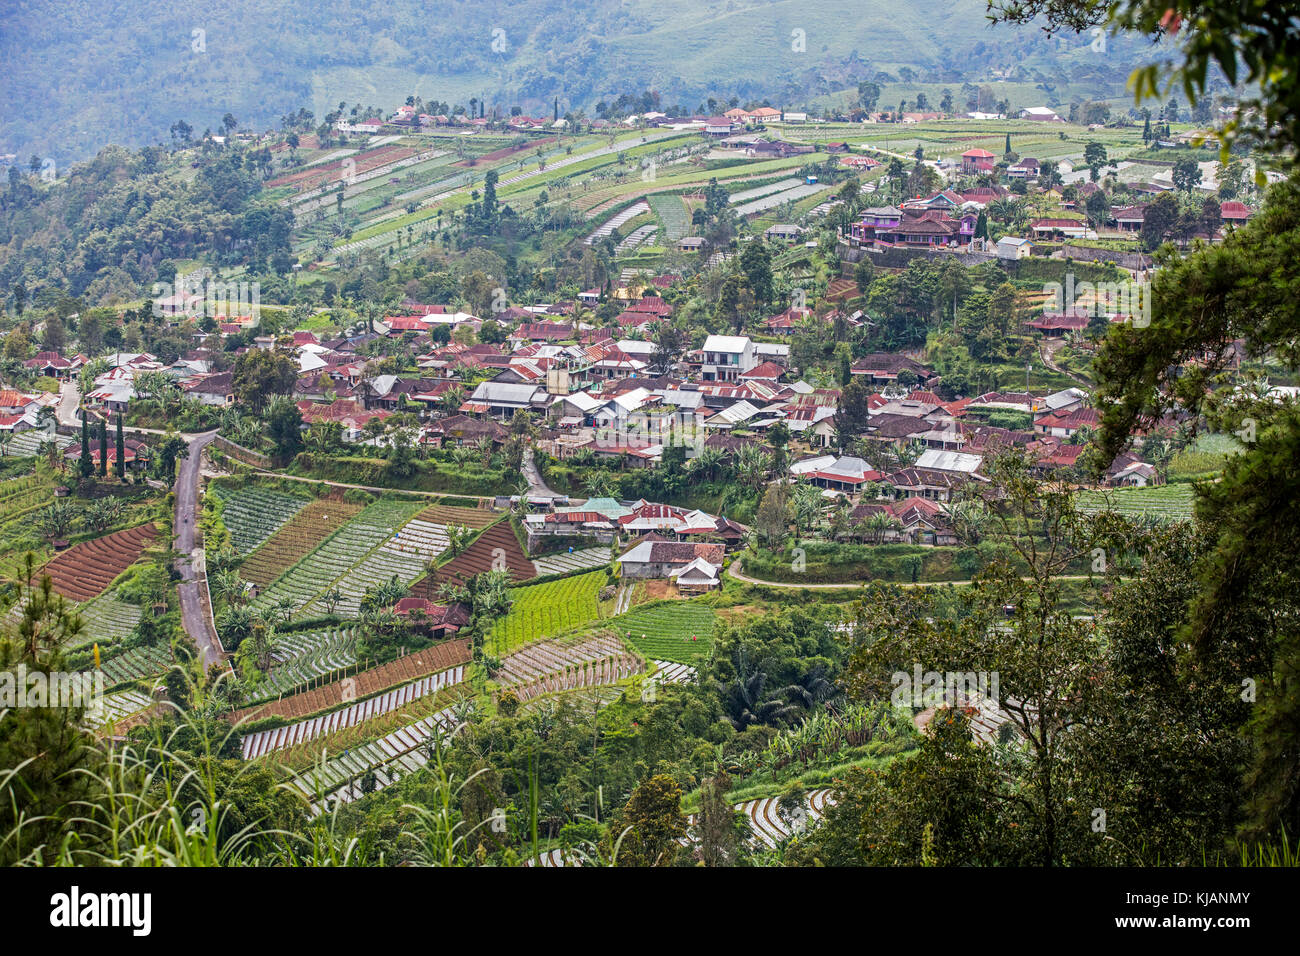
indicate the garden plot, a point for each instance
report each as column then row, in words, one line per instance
column 776, row 199
column 252, row 513
column 28, row 443
column 114, row 707
column 552, row 666
column 338, row 554
column 576, row 561
column 136, row 663
column 668, row 630
column 749, row 195
column 670, row 672
column 269, row 741
column 296, row 538
column 406, row 554
column 544, row 610
column 1163, row 503
column 639, row 237
column 106, row 620
column 391, row 758
column 627, row 215
column 305, row 655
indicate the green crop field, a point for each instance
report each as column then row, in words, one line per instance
column 544, row 610
column 1166, row 502
column 668, row 630
column 254, row 513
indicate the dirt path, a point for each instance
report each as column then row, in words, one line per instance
column 737, row 572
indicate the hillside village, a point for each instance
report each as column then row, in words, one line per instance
column 595, row 477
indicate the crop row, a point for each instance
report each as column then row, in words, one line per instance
column 302, row 656
column 107, row 619
column 547, row 609
column 268, row 741
column 671, row 631
column 295, row 539
column 405, row 554
column 339, row 553
column 253, row 513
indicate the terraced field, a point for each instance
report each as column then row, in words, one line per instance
column 269, row 741
column 627, row 215
column 84, row 570
column 1164, row 503
column 404, row 670
column 20, row 497
column 669, row 672
column 116, row 707
column 677, row 631
column 775, row 199
column 391, row 757
column 136, row 663
column 107, row 619
column 28, row 444
column 254, row 513
column 495, row 549
column 295, row 539
column 549, row 667
column 406, row 554
column 563, row 563
column 672, row 213
column 749, row 195
column 337, row 555
column 476, row 518
column 302, row 656
column 542, row 610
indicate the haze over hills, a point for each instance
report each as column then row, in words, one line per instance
column 152, row 62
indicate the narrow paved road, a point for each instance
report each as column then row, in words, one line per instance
column 193, row 614
column 537, row 487
column 69, row 403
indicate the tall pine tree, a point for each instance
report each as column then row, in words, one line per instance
column 87, row 467
column 103, row 448
column 120, row 448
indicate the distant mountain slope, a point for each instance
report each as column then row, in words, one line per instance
column 74, row 76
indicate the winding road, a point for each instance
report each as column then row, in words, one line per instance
column 194, row 614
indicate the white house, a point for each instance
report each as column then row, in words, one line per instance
column 724, row 357
column 1013, row 247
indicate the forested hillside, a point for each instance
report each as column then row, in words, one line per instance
column 154, row 62
column 105, row 228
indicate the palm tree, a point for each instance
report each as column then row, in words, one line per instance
column 807, row 500
column 226, row 584
column 331, row 599
column 743, row 698
column 753, row 465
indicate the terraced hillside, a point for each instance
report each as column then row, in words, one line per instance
column 84, row 570
column 330, row 562
column 496, row 549
column 295, row 539
column 253, row 513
